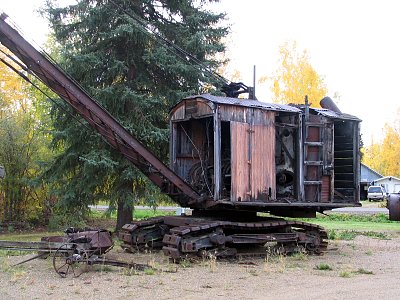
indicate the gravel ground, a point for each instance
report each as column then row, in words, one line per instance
column 277, row 277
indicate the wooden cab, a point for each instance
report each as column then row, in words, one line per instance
column 242, row 153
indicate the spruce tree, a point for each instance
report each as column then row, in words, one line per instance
column 105, row 47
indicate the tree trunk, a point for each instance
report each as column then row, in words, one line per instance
column 124, row 214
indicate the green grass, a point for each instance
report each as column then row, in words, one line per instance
column 149, row 271
column 300, row 255
column 345, row 274
column 138, row 214
column 185, row 263
column 377, row 222
column 359, row 226
column 323, row 267
column 363, row 271
column 375, row 218
column 334, row 234
column 149, row 213
column 6, row 253
column 27, row 237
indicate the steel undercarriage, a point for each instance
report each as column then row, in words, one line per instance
column 184, row 236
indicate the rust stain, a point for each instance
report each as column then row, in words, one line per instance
column 240, row 166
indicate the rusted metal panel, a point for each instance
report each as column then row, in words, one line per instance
column 263, row 185
column 240, row 161
column 326, row 188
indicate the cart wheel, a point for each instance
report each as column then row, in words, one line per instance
column 70, row 260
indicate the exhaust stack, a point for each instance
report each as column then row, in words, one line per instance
column 329, row 104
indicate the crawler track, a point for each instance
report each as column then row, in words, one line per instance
column 184, row 236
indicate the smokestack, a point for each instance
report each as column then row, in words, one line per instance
column 329, row 104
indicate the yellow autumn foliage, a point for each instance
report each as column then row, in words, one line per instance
column 296, row 78
column 13, row 94
column 384, row 156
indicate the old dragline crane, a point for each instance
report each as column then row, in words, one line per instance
column 229, row 159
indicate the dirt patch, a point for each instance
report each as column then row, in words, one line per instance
column 363, row 268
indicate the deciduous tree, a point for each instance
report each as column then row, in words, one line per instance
column 23, row 149
column 384, row 155
column 295, row 78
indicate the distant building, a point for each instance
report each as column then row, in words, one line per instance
column 367, row 176
column 391, row 183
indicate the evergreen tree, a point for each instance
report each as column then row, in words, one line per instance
column 135, row 78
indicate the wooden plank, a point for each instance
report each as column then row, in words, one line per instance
column 240, row 165
column 263, row 177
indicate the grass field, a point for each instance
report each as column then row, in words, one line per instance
column 356, row 225
column 376, row 222
column 138, row 214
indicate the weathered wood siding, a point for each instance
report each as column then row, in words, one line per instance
column 263, row 175
column 253, row 160
column 245, row 115
column 191, row 109
column 240, row 161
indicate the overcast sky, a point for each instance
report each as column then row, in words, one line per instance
column 354, row 45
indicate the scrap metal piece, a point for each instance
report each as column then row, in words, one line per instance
column 394, row 207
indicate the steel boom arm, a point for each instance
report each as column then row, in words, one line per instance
column 97, row 117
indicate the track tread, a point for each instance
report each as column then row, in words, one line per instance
column 198, row 227
column 172, row 240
